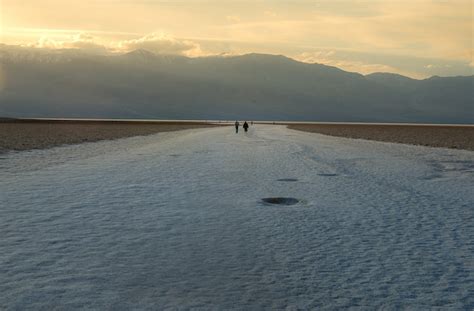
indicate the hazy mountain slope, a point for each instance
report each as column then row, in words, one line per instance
column 141, row 84
column 451, row 97
column 390, row 79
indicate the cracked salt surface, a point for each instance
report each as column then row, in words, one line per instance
column 124, row 225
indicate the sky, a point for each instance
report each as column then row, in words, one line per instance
column 417, row 38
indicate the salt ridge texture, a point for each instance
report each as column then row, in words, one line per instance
column 175, row 220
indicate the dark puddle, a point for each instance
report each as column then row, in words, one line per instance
column 280, row 201
column 287, row 179
column 175, row 155
column 327, row 175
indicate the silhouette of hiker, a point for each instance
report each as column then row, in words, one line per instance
column 246, row 126
column 237, row 126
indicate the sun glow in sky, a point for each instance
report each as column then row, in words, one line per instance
column 418, row 38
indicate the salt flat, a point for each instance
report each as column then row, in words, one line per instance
column 175, row 220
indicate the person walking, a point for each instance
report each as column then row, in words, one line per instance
column 246, row 126
column 237, row 126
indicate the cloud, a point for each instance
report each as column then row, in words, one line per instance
column 270, row 13
column 433, row 66
column 330, row 58
column 162, row 44
column 421, row 28
column 233, row 18
column 418, row 28
column 82, row 41
column 87, row 43
column 156, row 43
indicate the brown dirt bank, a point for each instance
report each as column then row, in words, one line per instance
column 39, row 134
column 446, row 136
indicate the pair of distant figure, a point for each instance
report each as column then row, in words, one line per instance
column 245, row 126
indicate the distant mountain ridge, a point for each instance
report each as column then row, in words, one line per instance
column 141, row 84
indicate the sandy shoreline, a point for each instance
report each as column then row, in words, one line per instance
column 445, row 136
column 21, row 135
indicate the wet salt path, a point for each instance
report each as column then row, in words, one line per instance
column 176, row 220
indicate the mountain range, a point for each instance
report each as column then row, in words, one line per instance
column 141, row 84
